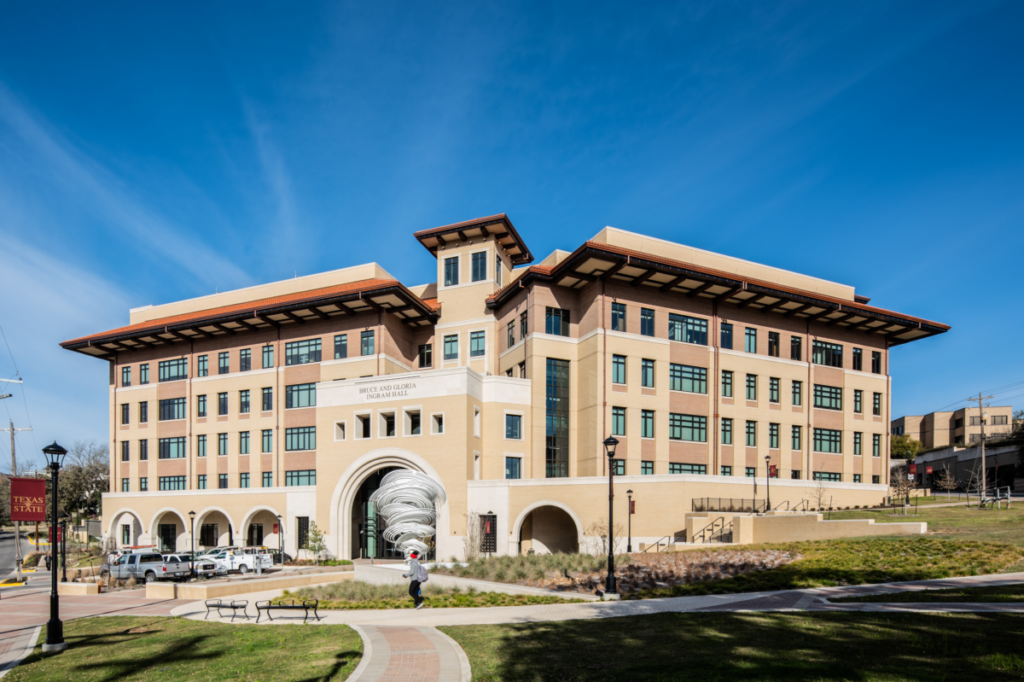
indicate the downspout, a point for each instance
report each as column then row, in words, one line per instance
column 189, row 405
column 808, row 402
column 604, row 380
column 888, row 415
column 279, row 445
column 716, row 395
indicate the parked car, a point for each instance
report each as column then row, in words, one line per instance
column 241, row 560
column 203, row 564
column 148, row 567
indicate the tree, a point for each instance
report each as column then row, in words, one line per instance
column 1018, row 424
column 84, row 478
column 904, row 447
column 315, row 542
column 819, row 493
column 901, row 483
column 946, row 480
column 597, row 538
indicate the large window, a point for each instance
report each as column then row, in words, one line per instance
column 497, row 270
column 687, row 329
column 172, row 408
column 858, row 443
column 618, row 369
column 556, row 321
column 647, row 373
column 126, row 376
column 751, row 434
column 201, row 446
column 340, row 346
column 143, row 412
column 647, row 423
column 243, row 402
column 203, row 366
column 268, row 399
column 618, row 421
column 514, row 426
column 244, row 360
column 858, row 359
column 828, row 440
column 268, row 479
column 687, row 378
column 425, row 355
column 726, row 383
column 828, row 476
column 646, row 468
column 300, row 395
column 619, row 317
column 126, row 451
column 797, row 438
column 773, row 390
column 675, row 468
column 798, row 393
column 773, row 436
column 876, row 445
column 302, row 352
column 267, row 436
column 478, row 263
column 828, row 354
column 223, row 362
column 477, row 344
column 511, row 334
column 751, row 387
column 688, row 427
column 524, row 325
column 171, row 448
column 727, row 335
column 796, row 348
column 304, row 477
column 858, row 401
column 828, row 397
column 513, row 468
column 243, row 443
column 750, row 340
column 876, row 405
column 647, row 322
column 126, row 411
column 300, row 438
column 618, row 467
column 451, row 347
column 726, row 431
column 773, row 344
column 173, row 370
column 876, row 362
column 222, row 403
column 143, row 450
column 222, row 444
column 144, row 373
column 556, row 429
column 451, row 271
column 268, row 357
column 172, row 483
column 366, row 343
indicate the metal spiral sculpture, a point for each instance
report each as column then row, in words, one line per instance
column 407, row 500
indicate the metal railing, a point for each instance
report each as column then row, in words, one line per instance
column 657, row 545
column 799, row 506
column 716, row 531
column 728, row 504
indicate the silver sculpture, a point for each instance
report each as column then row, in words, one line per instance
column 407, row 500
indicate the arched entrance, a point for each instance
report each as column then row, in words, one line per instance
column 168, row 531
column 214, row 528
column 260, row 528
column 368, row 527
column 548, row 528
column 126, row 529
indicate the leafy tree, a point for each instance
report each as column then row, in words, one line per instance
column 315, row 542
column 905, row 447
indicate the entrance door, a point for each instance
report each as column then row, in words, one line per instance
column 126, row 535
column 168, row 534
column 255, row 534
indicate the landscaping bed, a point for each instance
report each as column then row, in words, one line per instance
column 352, row 595
column 993, row 594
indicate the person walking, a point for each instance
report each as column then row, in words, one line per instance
column 48, row 560
column 418, row 575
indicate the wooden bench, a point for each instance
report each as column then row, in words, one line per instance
column 305, row 606
column 219, row 604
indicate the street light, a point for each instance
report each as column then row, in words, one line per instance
column 54, row 628
column 768, row 481
column 192, row 537
column 280, row 539
column 629, row 523
column 609, row 445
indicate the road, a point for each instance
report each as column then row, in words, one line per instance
column 7, row 551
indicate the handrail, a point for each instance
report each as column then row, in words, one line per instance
column 710, row 527
column 658, row 545
column 779, row 505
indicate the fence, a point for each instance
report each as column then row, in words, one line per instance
column 728, row 504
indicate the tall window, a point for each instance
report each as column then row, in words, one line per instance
column 451, row 347
column 243, row 402
column 858, row 438
column 126, row 376
column 798, row 393
column 171, row 448
column 876, row 445
column 268, row 479
column 126, row 411
column 513, row 468
column 300, row 395
column 773, row 390
column 726, row 383
column 750, row 340
column 340, row 346
column 726, row 431
column 514, row 426
column 556, row 455
column 222, row 481
column 511, row 333
column 425, row 355
column 618, row 467
column 751, row 434
column 858, row 359
column 243, row 442
column 126, row 486
column 478, row 262
column 797, row 438
column 201, row 446
column 876, row 406
column 366, row 343
column 267, row 435
column 172, row 408
column 687, row 329
column 726, row 335
column 796, row 348
column 143, row 450
column 687, row 378
column 773, row 344
column 144, row 373
column 876, row 362
column 619, row 317
column 222, row 444
column 524, row 324
column 773, row 436
column 618, row 369
column 268, row 357
column 828, row 397
column 828, row 440
column 618, row 421
column 173, row 370
column 244, row 360
column 144, row 484
column 647, row 322
column 688, row 427
column 243, row 480
column 300, row 438
column 302, row 352
column 223, row 362
column 556, row 321
column 477, row 344
column 497, row 270
column 202, row 366
column 305, row 477
column 126, row 449
column 751, row 387
column 268, row 399
column 451, row 271
column 828, row 354
column 222, row 403
column 647, row 423
column 647, row 373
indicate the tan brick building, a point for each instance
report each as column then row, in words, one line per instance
column 958, row 427
column 501, row 380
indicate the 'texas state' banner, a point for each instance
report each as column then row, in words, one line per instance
column 28, row 499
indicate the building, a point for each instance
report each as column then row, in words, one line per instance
column 963, row 426
column 501, row 380
column 1004, row 466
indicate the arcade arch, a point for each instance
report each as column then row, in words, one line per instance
column 548, row 527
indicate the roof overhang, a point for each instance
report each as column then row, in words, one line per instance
column 498, row 225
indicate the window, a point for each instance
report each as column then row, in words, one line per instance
column 858, row 359
column 876, row 362
column 387, row 425
column 305, row 477
column 144, row 373
column 478, row 266
column 795, row 474
column 511, row 331
column 451, row 347
column 750, row 472
column 828, row 440
column 828, row 397
column 425, row 355
column 143, row 484
column 750, row 340
column 646, row 322
column 173, row 408
column 999, row 420
column 687, row 329
column 244, row 360
column 363, row 426
column 268, row 440
column 437, row 424
column 798, row 393
column 726, row 383
column 143, row 450
column 726, row 471
column 556, row 321
column 522, row 369
column 201, row 446
column 171, row 448
column 243, row 402
column 858, row 438
column 856, row 478
column 618, row 467
column 268, row 357
column 827, row 476
column 222, row 481
column 497, row 270
column 268, row 479
column 556, row 454
column 618, row 369
column 125, row 413
column 451, row 271
column 203, row 366
column 523, row 325
column 300, row 438
column 412, row 424
column 874, row 479
column 647, row 423
column 798, row 438
column 726, row 431
column 125, row 451
column 172, row 483
column 687, row 378
column 646, row 468
column 751, row 434
column 126, row 486
column 143, row 412
column 243, row 442
column 773, row 436
column 796, row 348
column 674, row 468
column 618, row 421
column 513, row 468
column 243, row 480
column 302, row 352
column 876, row 445
column 268, row 399
column 514, row 426
column 477, row 344
column 828, row 354
column 773, row 390
column 300, row 395
column 726, row 335
column 222, row 444
column 126, row 376
column 688, row 427
column 174, row 370
column 647, row 373
column 751, row 387
column 223, row 362
column 773, row 344
column 222, row 403
column 619, row 317
column 876, row 405
column 858, row 401
column 340, row 346
column 303, row 534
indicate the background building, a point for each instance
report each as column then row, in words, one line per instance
column 960, row 427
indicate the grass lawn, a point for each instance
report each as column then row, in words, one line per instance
column 723, row 646
column 350, row 595
column 171, row 649
column 1000, row 593
column 995, row 525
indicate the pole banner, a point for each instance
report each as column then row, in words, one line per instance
column 28, row 499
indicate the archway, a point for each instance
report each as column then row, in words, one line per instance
column 260, row 527
column 126, row 528
column 168, row 530
column 214, row 528
column 548, row 527
column 366, row 523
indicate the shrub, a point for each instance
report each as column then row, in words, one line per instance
column 32, row 559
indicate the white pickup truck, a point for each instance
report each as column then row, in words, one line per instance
column 243, row 560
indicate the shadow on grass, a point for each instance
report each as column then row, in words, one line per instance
column 341, row 660
column 712, row 647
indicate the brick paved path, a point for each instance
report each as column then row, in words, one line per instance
column 403, row 654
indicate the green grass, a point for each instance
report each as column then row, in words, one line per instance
column 712, row 647
column 126, row 648
column 351, row 595
column 995, row 525
column 995, row 594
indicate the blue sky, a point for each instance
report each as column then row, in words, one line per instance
column 149, row 154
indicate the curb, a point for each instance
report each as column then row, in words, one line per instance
column 364, row 662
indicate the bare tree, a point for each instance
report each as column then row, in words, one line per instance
column 597, row 538
column 819, row 493
column 976, row 484
column 946, row 480
column 900, row 484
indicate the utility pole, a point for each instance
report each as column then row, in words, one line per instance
column 981, row 411
column 17, row 526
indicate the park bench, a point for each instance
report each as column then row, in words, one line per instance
column 219, row 604
column 305, row 605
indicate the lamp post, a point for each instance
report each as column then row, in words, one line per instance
column 192, row 537
column 629, row 523
column 54, row 628
column 64, row 547
column 280, row 539
column 609, row 445
column 768, row 481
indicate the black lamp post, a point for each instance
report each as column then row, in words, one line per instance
column 280, row 539
column 768, row 481
column 609, row 445
column 629, row 523
column 54, row 628
column 192, row 537
column 64, row 547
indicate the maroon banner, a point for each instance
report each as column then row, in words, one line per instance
column 60, row 535
column 773, row 471
column 928, row 469
column 28, row 499
column 632, row 506
column 913, row 469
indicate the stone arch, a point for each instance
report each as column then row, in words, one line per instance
column 348, row 485
column 201, row 516
column 137, row 523
column 250, row 515
column 155, row 521
column 528, row 510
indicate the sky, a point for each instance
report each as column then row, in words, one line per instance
column 151, row 152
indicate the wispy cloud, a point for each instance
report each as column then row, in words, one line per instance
column 276, row 176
